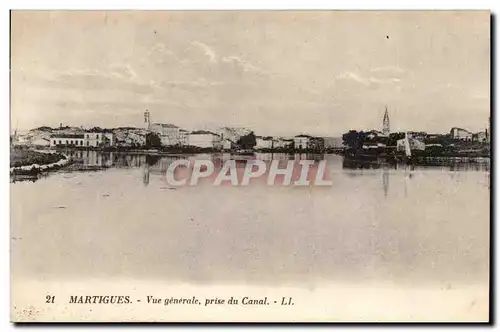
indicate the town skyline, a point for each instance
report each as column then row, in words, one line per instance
column 280, row 73
column 384, row 128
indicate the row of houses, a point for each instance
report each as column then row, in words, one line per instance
column 466, row 135
column 224, row 138
column 85, row 139
column 227, row 138
column 299, row 142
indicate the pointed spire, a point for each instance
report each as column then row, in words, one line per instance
column 386, row 123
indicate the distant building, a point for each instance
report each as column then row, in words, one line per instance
column 301, row 142
column 86, row 139
column 204, row 139
column 183, row 137
column 227, row 144
column 386, row 129
column 96, row 139
column 333, row 142
column 481, row 136
column 282, row 143
column 460, row 134
column 74, row 140
column 316, row 143
column 169, row 133
column 264, row 142
column 420, row 135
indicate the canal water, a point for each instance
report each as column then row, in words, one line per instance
column 407, row 225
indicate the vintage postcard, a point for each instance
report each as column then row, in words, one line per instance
column 250, row 166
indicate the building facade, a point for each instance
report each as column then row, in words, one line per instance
column 264, row 142
column 481, row 136
column 333, row 142
column 460, row 134
column 301, row 142
column 87, row 139
column 70, row 140
column 282, row 143
column 169, row 134
column 183, row 137
column 204, row 139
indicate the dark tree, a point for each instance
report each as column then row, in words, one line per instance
column 247, row 142
column 394, row 137
column 354, row 139
column 153, row 140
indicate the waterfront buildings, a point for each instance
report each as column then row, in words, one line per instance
column 85, row 139
column 283, row 143
column 333, row 142
column 183, row 137
column 169, row 134
column 301, row 142
column 460, row 134
column 204, row 139
column 264, row 142
column 481, row 136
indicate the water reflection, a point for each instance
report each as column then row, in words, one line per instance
column 159, row 164
column 377, row 221
column 385, row 181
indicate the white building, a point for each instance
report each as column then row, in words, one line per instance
column 183, row 137
column 281, row 143
column 73, row 140
column 169, row 134
column 333, row 142
column 204, row 139
column 301, row 142
column 227, row 144
column 99, row 139
column 264, row 142
column 87, row 139
column 481, row 136
column 461, row 134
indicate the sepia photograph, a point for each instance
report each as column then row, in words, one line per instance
column 250, row 166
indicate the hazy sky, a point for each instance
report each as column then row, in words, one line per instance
column 280, row 73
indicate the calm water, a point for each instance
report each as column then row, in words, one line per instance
column 423, row 225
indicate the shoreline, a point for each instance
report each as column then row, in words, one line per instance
column 368, row 156
column 33, row 164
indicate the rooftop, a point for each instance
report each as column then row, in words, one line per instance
column 67, row 136
column 202, row 132
column 165, row 125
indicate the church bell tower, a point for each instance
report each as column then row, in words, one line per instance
column 386, row 129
